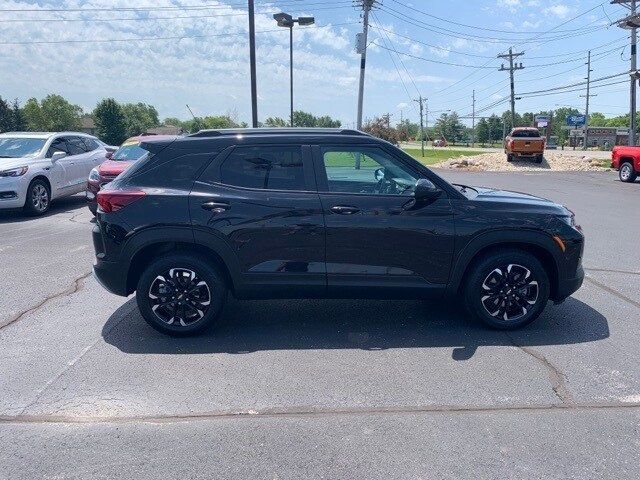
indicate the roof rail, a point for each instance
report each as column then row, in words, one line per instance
column 275, row 131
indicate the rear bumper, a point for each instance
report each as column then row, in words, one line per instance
column 568, row 286
column 111, row 275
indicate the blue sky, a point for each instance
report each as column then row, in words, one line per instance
column 440, row 49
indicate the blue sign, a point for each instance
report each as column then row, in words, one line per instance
column 576, row 120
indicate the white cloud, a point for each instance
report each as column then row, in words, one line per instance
column 558, row 10
column 402, row 105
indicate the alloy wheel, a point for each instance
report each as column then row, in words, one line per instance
column 509, row 292
column 39, row 197
column 179, row 297
column 625, row 172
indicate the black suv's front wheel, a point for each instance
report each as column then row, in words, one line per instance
column 181, row 294
column 507, row 289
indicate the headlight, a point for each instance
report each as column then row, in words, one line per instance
column 14, row 172
column 94, row 176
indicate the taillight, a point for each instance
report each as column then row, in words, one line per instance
column 511, row 144
column 114, row 200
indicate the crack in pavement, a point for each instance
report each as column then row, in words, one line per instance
column 612, row 291
column 311, row 411
column 556, row 377
column 609, row 270
column 70, row 364
column 75, row 286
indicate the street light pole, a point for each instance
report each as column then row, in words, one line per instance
column 291, row 74
column 286, row 20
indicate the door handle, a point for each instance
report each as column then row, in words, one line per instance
column 345, row 209
column 216, row 207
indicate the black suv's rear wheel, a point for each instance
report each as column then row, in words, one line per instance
column 181, row 294
column 507, row 290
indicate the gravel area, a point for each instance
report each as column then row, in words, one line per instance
column 497, row 162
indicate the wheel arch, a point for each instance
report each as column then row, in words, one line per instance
column 537, row 244
column 147, row 245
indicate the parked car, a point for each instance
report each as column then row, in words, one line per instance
column 524, row 142
column 440, row 142
column 283, row 213
column 36, row 168
column 115, row 163
column 626, row 160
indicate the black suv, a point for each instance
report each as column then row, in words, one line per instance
column 322, row 213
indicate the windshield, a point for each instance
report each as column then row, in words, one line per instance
column 129, row 152
column 20, row 147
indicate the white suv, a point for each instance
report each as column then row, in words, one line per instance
column 36, row 168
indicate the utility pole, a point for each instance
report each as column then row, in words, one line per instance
column 252, row 61
column 511, row 69
column 631, row 22
column 586, row 108
column 473, row 118
column 361, row 46
column 421, row 101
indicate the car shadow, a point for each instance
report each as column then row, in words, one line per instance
column 250, row 326
column 62, row 205
column 523, row 162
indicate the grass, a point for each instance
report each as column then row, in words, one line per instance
column 432, row 155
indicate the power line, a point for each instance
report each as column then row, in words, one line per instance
column 144, row 39
column 126, row 19
column 476, row 27
column 441, row 62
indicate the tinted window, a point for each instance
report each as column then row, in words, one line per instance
column 530, row 133
column 58, row 145
column 377, row 172
column 90, row 144
column 267, row 167
column 76, row 146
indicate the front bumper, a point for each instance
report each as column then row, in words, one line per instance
column 568, row 286
column 13, row 192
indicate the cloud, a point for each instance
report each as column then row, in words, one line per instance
column 402, row 105
column 558, row 10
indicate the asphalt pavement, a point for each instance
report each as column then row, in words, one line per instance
column 321, row 389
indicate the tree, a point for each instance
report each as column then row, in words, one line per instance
column 306, row 119
column 139, row 117
column 34, row 115
column 110, row 121
column 275, row 122
column 409, row 129
column 560, row 123
column 6, row 116
column 19, row 120
column 448, row 126
column 59, row 114
column 379, row 127
column 482, row 131
column 496, row 128
column 597, row 119
column 54, row 113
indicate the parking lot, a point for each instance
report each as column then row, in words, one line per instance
column 321, row 389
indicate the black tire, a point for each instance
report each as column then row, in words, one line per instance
column 539, row 158
column 509, row 157
column 38, row 198
column 511, row 291
column 626, row 173
column 181, row 314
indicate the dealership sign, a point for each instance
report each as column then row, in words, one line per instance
column 541, row 120
column 576, row 120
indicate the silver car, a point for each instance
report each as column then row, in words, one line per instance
column 36, row 168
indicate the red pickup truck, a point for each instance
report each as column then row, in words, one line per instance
column 627, row 161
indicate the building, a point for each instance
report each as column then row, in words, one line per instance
column 605, row 137
column 164, row 130
column 87, row 125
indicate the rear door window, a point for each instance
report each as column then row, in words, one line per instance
column 76, row 146
column 264, row 167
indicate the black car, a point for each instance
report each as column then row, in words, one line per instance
column 322, row 213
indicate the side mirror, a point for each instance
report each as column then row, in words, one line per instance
column 425, row 191
column 108, row 155
column 57, row 156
